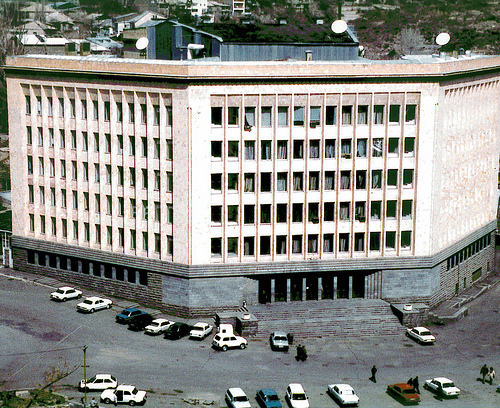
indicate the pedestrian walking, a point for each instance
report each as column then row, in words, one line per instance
column 484, row 371
column 374, row 373
column 490, row 375
column 415, row 384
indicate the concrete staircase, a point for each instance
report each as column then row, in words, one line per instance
column 327, row 318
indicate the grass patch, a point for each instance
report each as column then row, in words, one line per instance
column 44, row 399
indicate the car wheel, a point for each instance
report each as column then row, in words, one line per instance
column 407, row 335
column 131, row 403
column 108, row 307
column 64, row 299
column 92, row 310
column 243, row 346
column 224, row 348
column 107, row 401
column 79, row 296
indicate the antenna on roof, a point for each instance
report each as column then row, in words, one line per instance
column 442, row 39
column 339, row 26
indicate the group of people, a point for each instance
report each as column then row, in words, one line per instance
column 414, row 383
column 301, row 353
column 487, row 374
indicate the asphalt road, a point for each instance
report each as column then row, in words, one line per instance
column 37, row 335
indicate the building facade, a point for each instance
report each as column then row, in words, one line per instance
column 196, row 185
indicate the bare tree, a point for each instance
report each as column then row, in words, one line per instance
column 409, row 41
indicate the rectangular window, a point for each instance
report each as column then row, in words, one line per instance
column 376, row 179
column 361, row 179
column 406, row 209
column 377, row 147
column 216, row 247
column 329, row 148
column 42, row 195
column 109, row 205
column 144, row 145
column 121, row 207
column 282, row 149
column 156, row 148
column 63, row 198
column 266, row 149
column 390, row 239
column 144, row 113
column 376, row 210
column 345, row 148
column 74, row 170
column 362, row 114
column 169, row 151
column 374, row 241
column 378, row 114
column 157, row 180
column 249, row 117
column 360, row 211
column 28, row 104
column 86, row 201
column 216, row 149
column 96, row 109
column 40, row 166
column 216, row 181
column 282, row 116
column 314, row 149
column 347, row 115
column 232, row 246
column 296, row 244
column 393, row 145
column 131, row 113
column 97, row 233
column 119, row 111
column 329, row 180
column 392, row 177
column 52, row 167
column 297, row 212
column 313, row 180
column 156, row 115
column 109, row 235
column 266, row 116
column 249, row 214
column 233, row 115
column 249, row 183
column 298, row 115
column 345, row 180
column 30, row 164
column 133, row 208
column 39, row 105
column 281, row 182
column 144, row 178
column 85, row 171
column 394, row 113
column 32, row 223
column 132, row 176
column 298, row 181
column 298, row 149
column 281, row 244
column 145, row 241
column 107, row 148
column 75, row 199
column 361, row 147
column 42, row 224
column 29, row 135
column 108, row 174
column 232, row 181
column 408, row 177
column 312, row 243
column 265, row 213
column 216, row 116
column 313, row 213
column 410, row 114
column 131, row 144
column 170, row 214
column 344, row 242
column 265, row 245
column 329, row 212
column 107, row 111
column 97, row 203
column 97, row 175
column 328, row 243
column 331, row 115
column 406, row 239
column 75, row 229
column 54, row 225
column 168, row 115
column 315, row 116
column 40, row 136
column 169, row 187
column 51, row 137
column 249, row 150
column 344, row 211
column 359, row 241
column 233, row 148
column 410, row 146
column 265, row 182
column 216, row 214
column 31, row 193
column 391, row 209
column 145, row 209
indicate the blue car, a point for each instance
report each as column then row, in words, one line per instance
column 268, row 398
column 128, row 314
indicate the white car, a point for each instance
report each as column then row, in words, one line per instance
column 124, row 394
column 200, row 330
column 236, row 398
column 296, row 396
column 279, row 341
column 224, row 341
column 158, row 326
column 421, row 334
column 344, row 394
column 443, row 386
column 93, row 303
column 64, row 293
column 98, row 382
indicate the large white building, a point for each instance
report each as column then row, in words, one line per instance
column 197, row 185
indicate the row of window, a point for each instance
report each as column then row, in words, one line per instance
column 98, row 234
column 84, row 173
column 314, row 152
column 51, row 141
column 67, row 107
column 284, row 213
column 468, row 251
column 329, row 115
column 313, row 181
column 83, row 202
column 312, row 243
column 99, row 269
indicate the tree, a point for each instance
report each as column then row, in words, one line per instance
column 409, row 40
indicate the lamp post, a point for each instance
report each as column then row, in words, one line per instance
column 85, row 375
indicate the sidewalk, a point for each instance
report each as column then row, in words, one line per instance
column 454, row 309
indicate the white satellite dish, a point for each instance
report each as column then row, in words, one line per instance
column 443, row 39
column 141, row 43
column 339, row 26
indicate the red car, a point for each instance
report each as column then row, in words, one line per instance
column 405, row 392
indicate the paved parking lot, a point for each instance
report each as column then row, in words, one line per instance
column 37, row 334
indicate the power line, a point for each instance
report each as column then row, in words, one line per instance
column 39, row 352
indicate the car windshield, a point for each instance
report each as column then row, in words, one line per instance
column 272, row 397
column 91, row 379
column 241, row 398
column 126, row 313
column 135, row 391
column 87, row 302
column 60, row 291
column 299, row 397
column 426, row 333
column 448, row 385
column 197, row 328
column 409, row 391
column 280, row 338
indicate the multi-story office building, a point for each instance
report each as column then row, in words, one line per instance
column 196, row 185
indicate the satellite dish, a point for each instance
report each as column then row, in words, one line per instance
column 443, row 39
column 141, row 43
column 339, row 26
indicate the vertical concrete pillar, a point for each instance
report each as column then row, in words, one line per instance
column 334, row 287
column 273, row 288
column 304, row 288
column 368, row 294
column 350, row 287
column 320, row 287
column 288, row 287
column 137, row 277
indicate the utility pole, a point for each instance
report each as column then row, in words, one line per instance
column 85, row 374
column 339, row 10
